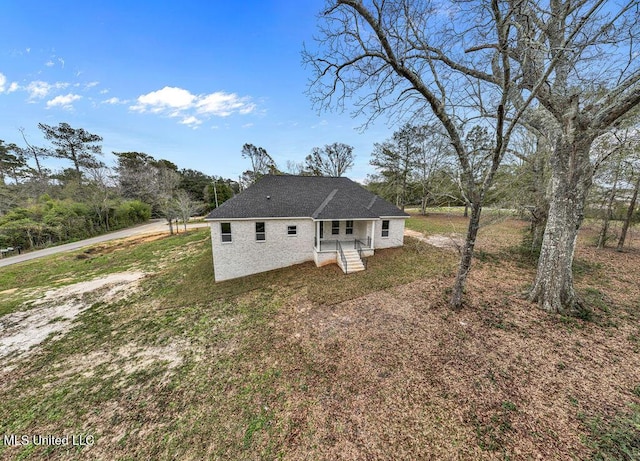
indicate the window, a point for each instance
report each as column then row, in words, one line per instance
column 292, row 230
column 385, row 228
column 225, row 230
column 335, row 227
column 260, row 233
column 349, row 228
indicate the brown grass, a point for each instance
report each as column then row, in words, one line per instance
column 401, row 376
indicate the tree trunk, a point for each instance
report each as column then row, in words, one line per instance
column 38, row 167
column 76, row 164
column 171, row 226
column 467, row 255
column 541, row 206
column 602, row 239
column 571, row 175
column 627, row 220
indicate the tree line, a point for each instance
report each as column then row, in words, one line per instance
column 331, row 160
column 40, row 206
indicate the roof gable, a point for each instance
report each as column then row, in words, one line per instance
column 317, row 197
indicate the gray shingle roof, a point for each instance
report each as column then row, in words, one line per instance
column 318, row 197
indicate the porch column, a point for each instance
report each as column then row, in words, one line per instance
column 317, row 235
column 373, row 234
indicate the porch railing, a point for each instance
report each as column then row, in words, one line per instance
column 332, row 245
column 342, row 257
column 358, row 245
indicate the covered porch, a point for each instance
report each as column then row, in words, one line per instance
column 349, row 232
column 339, row 241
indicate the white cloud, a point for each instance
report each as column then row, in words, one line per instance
column 191, row 121
column 39, row 89
column 63, row 101
column 224, row 104
column 49, row 63
column 114, row 100
column 3, row 85
column 92, row 84
column 181, row 103
column 166, row 98
column 247, row 125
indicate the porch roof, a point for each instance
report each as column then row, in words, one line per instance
column 316, row 197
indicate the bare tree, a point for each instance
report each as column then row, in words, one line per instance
column 633, row 180
column 611, row 146
column 99, row 192
column 168, row 180
column 593, row 87
column 630, row 210
column 37, row 153
column 186, row 206
column 533, row 151
column 405, row 58
column 332, row 160
column 137, row 176
column 295, row 168
column 432, row 158
column 261, row 163
column 510, row 53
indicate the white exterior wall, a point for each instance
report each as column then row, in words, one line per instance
column 360, row 230
column 396, row 233
column 325, row 257
column 244, row 255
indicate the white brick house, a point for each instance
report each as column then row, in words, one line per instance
column 284, row 220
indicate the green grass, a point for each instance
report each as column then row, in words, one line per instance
column 221, row 400
column 31, row 277
column 185, row 368
column 615, row 438
column 428, row 226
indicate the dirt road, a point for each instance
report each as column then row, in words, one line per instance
column 152, row 227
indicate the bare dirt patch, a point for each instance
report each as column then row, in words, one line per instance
column 54, row 312
column 129, row 358
column 451, row 241
column 119, row 245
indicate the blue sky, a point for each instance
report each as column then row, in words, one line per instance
column 187, row 81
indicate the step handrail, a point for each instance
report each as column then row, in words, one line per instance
column 358, row 246
column 342, row 257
